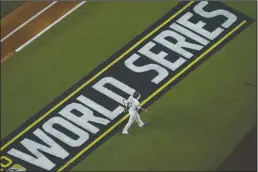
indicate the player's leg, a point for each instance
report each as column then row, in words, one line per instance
column 129, row 123
column 139, row 121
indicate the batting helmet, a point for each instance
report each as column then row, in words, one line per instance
column 136, row 95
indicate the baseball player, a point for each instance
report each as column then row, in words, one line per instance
column 133, row 105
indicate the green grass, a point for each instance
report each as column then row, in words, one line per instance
column 78, row 45
column 193, row 127
column 8, row 6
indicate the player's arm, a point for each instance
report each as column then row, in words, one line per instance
column 139, row 107
column 125, row 102
column 146, row 110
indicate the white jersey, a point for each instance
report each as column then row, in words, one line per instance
column 133, row 104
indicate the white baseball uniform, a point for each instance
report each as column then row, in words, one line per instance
column 134, row 106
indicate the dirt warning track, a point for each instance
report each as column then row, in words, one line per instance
column 29, row 20
column 20, row 15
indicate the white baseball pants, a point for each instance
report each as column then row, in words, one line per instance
column 134, row 116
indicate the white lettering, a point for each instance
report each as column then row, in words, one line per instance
column 111, row 115
column 40, row 159
column 231, row 18
column 99, row 86
column 198, row 27
column 48, row 127
column 189, row 33
column 178, row 47
column 162, row 72
column 160, row 58
column 86, row 116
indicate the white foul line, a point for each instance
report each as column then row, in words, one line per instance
column 54, row 23
column 23, row 24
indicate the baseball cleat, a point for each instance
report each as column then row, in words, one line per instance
column 144, row 124
column 126, row 133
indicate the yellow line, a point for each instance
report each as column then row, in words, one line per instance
column 191, row 64
column 94, row 77
column 153, row 94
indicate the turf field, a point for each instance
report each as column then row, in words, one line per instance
column 9, row 6
column 194, row 126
